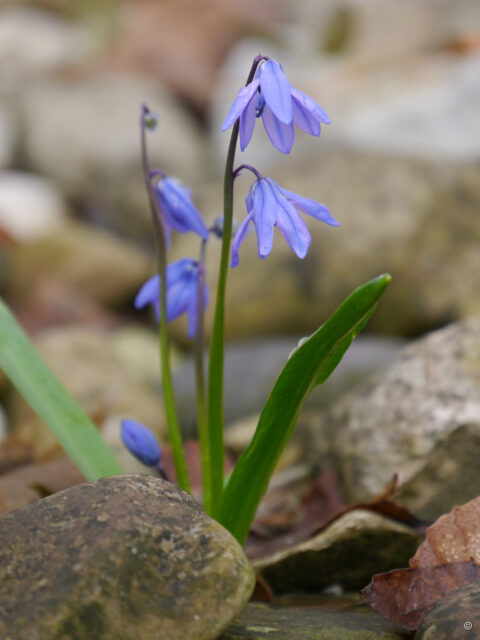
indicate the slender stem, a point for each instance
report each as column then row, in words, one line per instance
column 202, row 422
column 249, row 167
column 173, row 426
column 217, row 346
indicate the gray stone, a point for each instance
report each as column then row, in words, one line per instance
column 122, row 557
column 30, row 206
column 257, row 363
column 393, row 422
column 84, row 134
column 450, row 476
column 34, row 42
column 348, row 552
column 431, row 114
column 456, row 617
column 263, row 622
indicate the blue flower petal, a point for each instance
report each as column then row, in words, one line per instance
column 176, row 270
column 240, row 236
column 291, row 225
column 244, row 96
column 311, row 207
column 310, row 104
column 281, row 135
column 276, row 90
column 264, row 216
column 179, row 211
column 304, row 119
column 247, row 121
column 148, row 293
column 192, row 309
column 179, row 295
column 141, row 442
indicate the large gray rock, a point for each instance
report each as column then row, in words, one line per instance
column 84, row 134
column 263, row 622
column 395, row 420
column 348, row 552
column 456, row 617
column 119, row 558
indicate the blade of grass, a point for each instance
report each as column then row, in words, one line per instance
column 50, row 400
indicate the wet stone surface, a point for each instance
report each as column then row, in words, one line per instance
column 263, row 622
column 119, row 558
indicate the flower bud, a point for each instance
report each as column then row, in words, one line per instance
column 141, row 442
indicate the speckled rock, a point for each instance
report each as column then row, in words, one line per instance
column 120, row 558
column 348, row 552
column 262, row 622
column 394, row 421
column 456, row 617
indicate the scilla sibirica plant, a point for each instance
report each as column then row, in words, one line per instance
column 180, row 287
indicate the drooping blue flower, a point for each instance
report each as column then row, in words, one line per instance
column 271, row 96
column 141, row 442
column 182, row 288
column 177, row 205
column 269, row 205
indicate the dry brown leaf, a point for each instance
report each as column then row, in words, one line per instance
column 454, row 537
column 405, row 596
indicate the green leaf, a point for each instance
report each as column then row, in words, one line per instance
column 49, row 399
column 309, row 365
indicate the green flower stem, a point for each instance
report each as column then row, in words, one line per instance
column 174, row 435
column 217, row 346
column 199, row 347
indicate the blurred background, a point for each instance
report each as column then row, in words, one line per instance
column 399, row 167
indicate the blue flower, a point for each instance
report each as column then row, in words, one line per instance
column 271, row 96
column 268, row 205
column 176, row 202
column 182, row 288
column 141, row 442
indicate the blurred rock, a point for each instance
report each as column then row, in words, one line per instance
column 394, row 422
column 30, row 206
column 428, row 110
column 85, row 363
column 252, row 367
column 96, row 264
column 137, row 347
column 123, row 556
column 84, row 134
column 8, row 134
column 348, row 552
column 35, row 42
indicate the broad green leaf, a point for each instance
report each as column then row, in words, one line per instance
column 309, row 365
column 49, row 399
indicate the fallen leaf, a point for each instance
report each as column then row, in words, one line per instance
column 405, row 596
column 454, row 537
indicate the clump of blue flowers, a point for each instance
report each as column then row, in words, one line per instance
column 180, row 287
